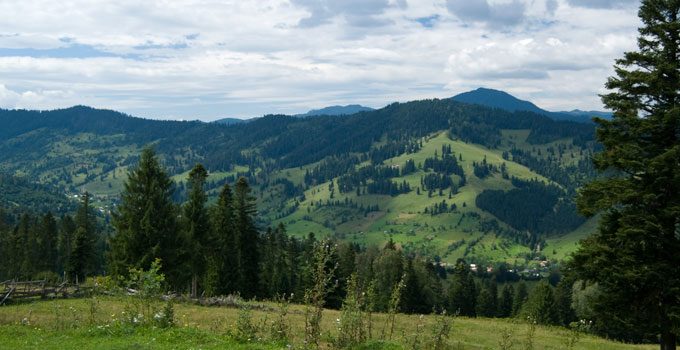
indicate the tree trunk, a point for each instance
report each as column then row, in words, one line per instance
column 668, row 340
column 194, row 285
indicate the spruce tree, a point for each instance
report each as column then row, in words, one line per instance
column 67, row 229
column 226, row 257
column 634, row 254
column 541, row 304
column 196, row 225
column 47, row 243
column 27, row 243
column 81, row 258
column 462, row 293
column 487, row 300
column 520, row 298
column 247, row 239
column 505, row 301
column 145, row 222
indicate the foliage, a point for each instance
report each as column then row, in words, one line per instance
column 321, row 274
column 633, row 256
column 197, row 243
column 145, row 221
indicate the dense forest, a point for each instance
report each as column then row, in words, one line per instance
column 217, row 250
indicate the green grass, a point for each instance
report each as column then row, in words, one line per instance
column 64, row 324
column 403, row 218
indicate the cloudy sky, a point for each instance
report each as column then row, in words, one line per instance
column 234, row 58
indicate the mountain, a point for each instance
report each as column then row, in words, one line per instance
column 439, row 177
column 336, row 110
column 588, row 114
column 231, row 121
column 500, row 99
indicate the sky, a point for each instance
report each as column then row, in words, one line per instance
column 221, row 58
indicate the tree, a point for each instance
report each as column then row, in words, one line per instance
column 520, row 298
column 541, row 304
column 145, row 222
column 82, row 256
column 633, row 256
column 487, row 300
column 505, row 301
column 67, row 229
column 47, row 243
column 247, row 239
column 196, row 225
column 226, row 256
column 462, row 291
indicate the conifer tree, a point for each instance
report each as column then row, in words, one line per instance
column 634, row 255
column 505, row 301
column 67, row 229
column 247, row 239
column 145, row 222
column 26, row 244
column 81, row 258
column 487, row 300
column 541, row 304
column 196, row 226
column 47, row 243
column 226, row 257
column 462, row 294
column 520, row 298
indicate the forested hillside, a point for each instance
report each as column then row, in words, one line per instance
column 442, row 178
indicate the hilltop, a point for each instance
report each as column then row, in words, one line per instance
column 440, row 177
column 503, row 100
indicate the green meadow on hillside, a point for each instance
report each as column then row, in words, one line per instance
column 98, row 323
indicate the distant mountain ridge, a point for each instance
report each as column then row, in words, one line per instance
column 503, row 100
column 231, row 121
column 336, row 110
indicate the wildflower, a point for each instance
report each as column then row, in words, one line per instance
column 248, row 339
column 186, row 325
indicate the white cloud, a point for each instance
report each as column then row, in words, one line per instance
column 243, row 58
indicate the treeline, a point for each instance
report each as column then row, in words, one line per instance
column 18, row 195
column 532, row 206
column 218, row 250
column 47, row 247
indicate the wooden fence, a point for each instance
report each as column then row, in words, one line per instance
column 13, row 290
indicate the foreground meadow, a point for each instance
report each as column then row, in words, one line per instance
column 102, row 323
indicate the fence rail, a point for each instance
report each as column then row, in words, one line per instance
column 14, row 290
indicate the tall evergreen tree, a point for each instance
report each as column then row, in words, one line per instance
column 196, row 226
column 565, row 312
column 27, row 243
column 521, row 296
column 145, row 222
column 82, row 257
column 541, row 304
column 47, row 243
column 462, row 293
column 67, row 229
column 226, row 257
column 487, row 300
column 247, row 239
column 505, row 301
column 411, row 297
column 634, row 255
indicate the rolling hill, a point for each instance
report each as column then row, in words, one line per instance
column 439, row 177
column 500, row 99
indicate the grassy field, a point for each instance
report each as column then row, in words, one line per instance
column 403, row 218
column 95, row 323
